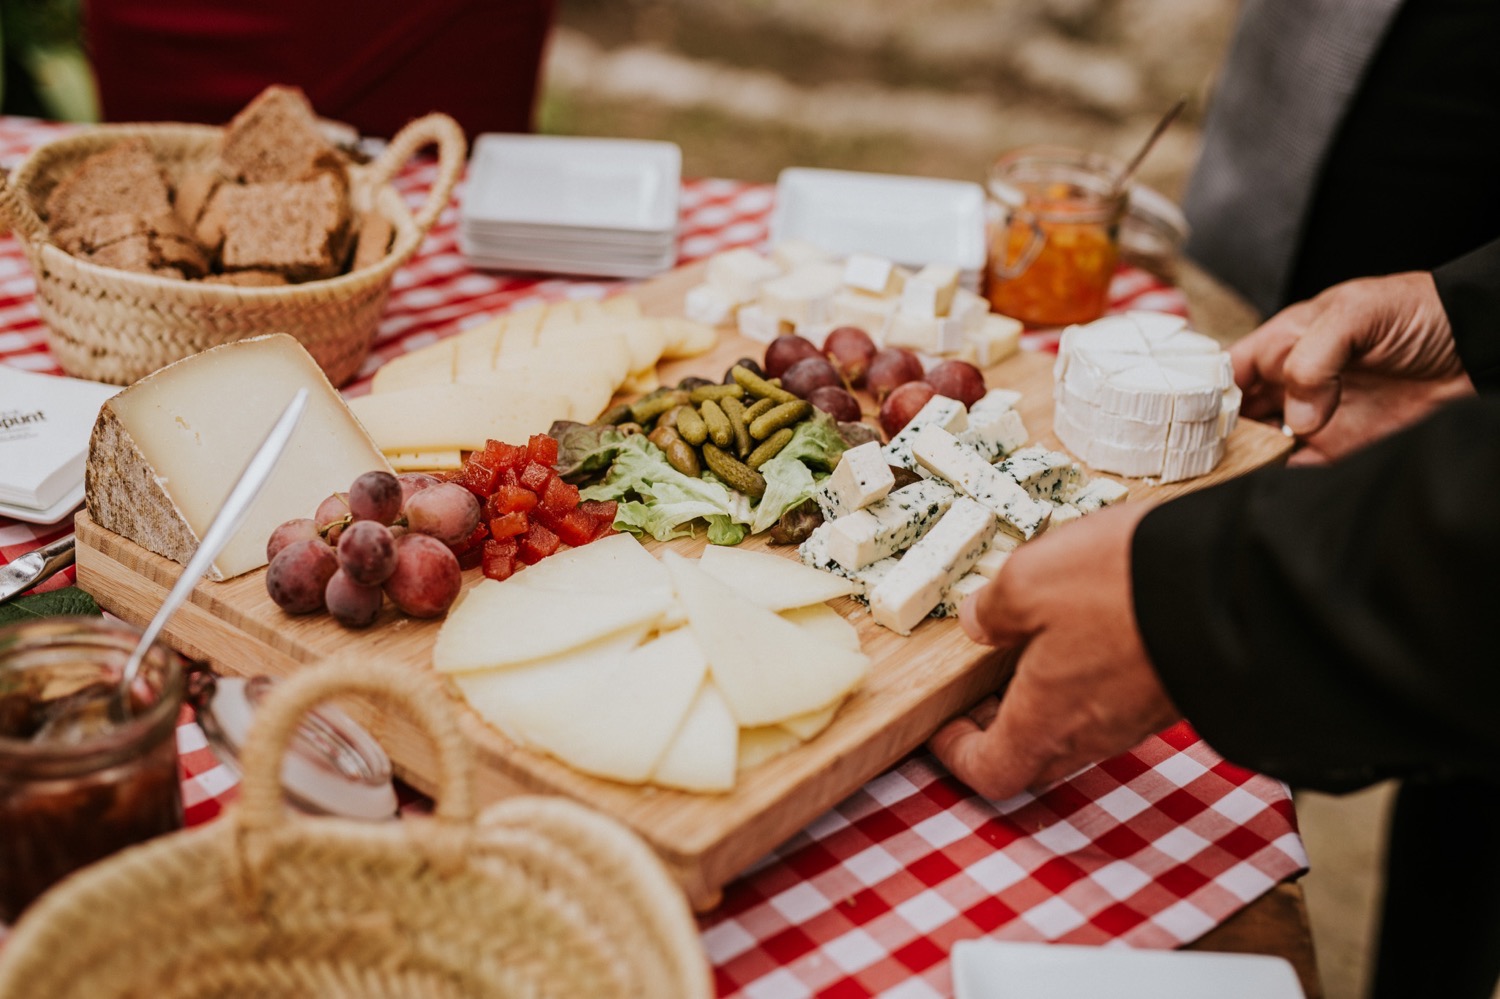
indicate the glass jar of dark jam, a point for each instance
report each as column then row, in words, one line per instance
column 85, row 768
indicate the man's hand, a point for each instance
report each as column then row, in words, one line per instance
column 1363, row 359
column 1084, row 689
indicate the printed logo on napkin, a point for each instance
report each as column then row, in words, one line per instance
column 45, row 422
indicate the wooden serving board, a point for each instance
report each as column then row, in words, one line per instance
column 915, row 683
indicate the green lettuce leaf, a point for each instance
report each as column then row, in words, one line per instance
column 790, row 478
column 654, row 497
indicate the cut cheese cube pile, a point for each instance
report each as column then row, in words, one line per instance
column 512, row 376
column 917, row 551
column 800, row 290
column 1142, row 395
column 680, row 673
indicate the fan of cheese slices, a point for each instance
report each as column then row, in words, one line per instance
column 512, row 376
column 1140, row 394
column 799, row 289
column 677, row 672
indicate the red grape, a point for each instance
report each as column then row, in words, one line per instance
column 367, row 552
column 785, row 351
column 301, row 529
column 412, row 482
column 332, row 509
column 351, row 604
column 299, row 574
column 427, row 577
column 375, row 496
column 957, row 380
column 808, row 374
column 902, row 404
column 850, row 349
column 836, row 402
column 446, row 511
column 891, row 367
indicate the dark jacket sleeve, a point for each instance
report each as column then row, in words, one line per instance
column 1337, row 625
column 1470, row 290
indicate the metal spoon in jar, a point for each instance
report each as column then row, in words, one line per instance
column 223, row 527
column 1122, row 182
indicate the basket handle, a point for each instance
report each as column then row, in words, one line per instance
column 429, row 130
column 17, row 214
column 404, row 689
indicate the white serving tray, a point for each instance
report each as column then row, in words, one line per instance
column 554, row 180
column 911, row 220
column 994, row 969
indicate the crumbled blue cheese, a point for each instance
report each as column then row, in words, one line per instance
column 943, row 455
column 994, row 433
column 861, row 477
column 886, row 527
column 910, row 590
column 1045, row 475
column 940, row 411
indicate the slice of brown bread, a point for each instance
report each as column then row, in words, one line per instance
column 167, row 242
column 276, row 138
column 123, row 179
column 193, row 190
column 247, row 279
column 375, row 231
column 297, row 229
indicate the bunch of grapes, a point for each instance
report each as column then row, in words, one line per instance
column 388, row 536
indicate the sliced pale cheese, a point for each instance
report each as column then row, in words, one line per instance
column 641, row 382
column 761, row 744
column 521, row 326
column 825, row 623
column 686, row 338
column 620, row 726
column 558, row 315
column 703, row 754
column 767, row 668
column 806, row 726
column 502, row 624
column 622, row 306
column 590, row 311
column 440, row 417
column 430, row 365
column 166, row 451
column 509, row 698
column 647, row 340
column 613, row 563
column 771, row 581
column 426, row 461
column 476, row 347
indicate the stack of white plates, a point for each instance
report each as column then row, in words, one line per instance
column 568, row 205
column 911, row 220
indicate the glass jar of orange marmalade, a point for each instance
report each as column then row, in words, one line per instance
column 1054, row 234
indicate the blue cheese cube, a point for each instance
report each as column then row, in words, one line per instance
column 967, row 585
column 940, row 411
column 861, row 477
column 1063, row 513
column 1045, row 475
column 996, row 400
column 910, row 590
column 993, row 559
column 945, row 456
column 887, row 527
column 1096, row 494
column 994, row 433
column 814, row 554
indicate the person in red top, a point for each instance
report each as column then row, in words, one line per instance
column 373, row 64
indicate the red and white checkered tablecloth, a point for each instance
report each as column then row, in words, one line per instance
column 1150, row 849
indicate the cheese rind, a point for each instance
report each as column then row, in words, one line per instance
column 166, row 451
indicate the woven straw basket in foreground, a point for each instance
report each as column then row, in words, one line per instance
column 537, row 897
column 116, row 326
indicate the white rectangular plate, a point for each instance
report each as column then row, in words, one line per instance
column 995, row 969
column 571, row 181
column 911, row 220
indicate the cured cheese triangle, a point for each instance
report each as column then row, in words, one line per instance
column 166, row 451
column 703, row 755
column 767, row 668
column 763, row 743
column 613, row 564
column 771, row 581
column 825, row 624
column 620, row 726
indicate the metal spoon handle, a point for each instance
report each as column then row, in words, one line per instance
column 1140, row 154
column 225, row 523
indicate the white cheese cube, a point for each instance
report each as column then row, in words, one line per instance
column 738, row 274
column 928, row 335
column 861, row 477
column 802, row 296
column 969, row 309
column 704, row 303
column 929, row 294
column 911, row 589
column 1044, row 474
column 793, row 253
column 943, row 455
column 994, row 433
column 996, row 400
column 857, row 539
column 938, row 411
column 997, row 338
column 872, row 275
column 854, row 308
column 754, row 324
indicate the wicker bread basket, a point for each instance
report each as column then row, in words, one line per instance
column 116, row 326
column 537, row 897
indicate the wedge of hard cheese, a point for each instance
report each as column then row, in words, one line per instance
column 166, row 451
